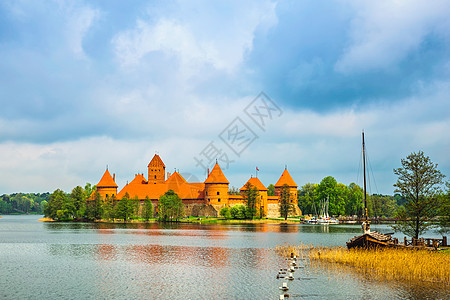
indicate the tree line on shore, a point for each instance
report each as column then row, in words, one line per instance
column 419, row 202
column 23, row 203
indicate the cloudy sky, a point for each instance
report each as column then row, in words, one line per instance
column 90, row 84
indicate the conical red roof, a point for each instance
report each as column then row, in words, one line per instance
column 156, row 162
column 254, row 181
column 286, row 179
column 216, row 176
column 176, row 178
column 107, row 181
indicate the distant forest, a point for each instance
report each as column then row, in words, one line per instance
column 21, row 203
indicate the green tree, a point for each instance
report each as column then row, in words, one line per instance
column 55, row 204
column 147, row 211
column 252, row 199
column 43, row 206
column 89, row 189
column 108, row 208
column 170, row 207
column 329, row 189
column 285, row 202
column 78, row 197
column 419, row 183
column 271, row 190
column 444, row 213
column 354, row 204
column 307, row 198
column 383, row 205
column 225, row 212
column 94, row 210
column 124, row 208
column 238, row 211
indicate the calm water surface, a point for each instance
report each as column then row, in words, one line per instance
column 179, row 261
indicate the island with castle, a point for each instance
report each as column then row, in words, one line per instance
column 201, row 199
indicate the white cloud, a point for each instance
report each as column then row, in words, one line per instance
column 195, row 41
column 79, row 19
column 384, row 32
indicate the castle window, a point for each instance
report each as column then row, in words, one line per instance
column 218, row 193
column 218, row 200
column 155, row 176
column 206, row 193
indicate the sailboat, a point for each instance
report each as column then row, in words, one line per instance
column 325, row 217
column 368, row 238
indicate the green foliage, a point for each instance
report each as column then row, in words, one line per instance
column 170, row 207
column 238, row 211
column 225, row 212
column 124, row 208
column 335, row 193
column 252, row 199
column 354, row 204
column 308, row 198
column 271, row 190
column 419, row 183
column 147, row 211
column 444, row 213
column 78, row 198
column 94, row 210
column 285, row 202
column 108, row 212
column 22, row 203
column 382, row 206
column 56, row 203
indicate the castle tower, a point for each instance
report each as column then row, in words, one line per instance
column 287, row 179
column 262, row 190
column 107, row 186
column 216, row 188
column 156, row 170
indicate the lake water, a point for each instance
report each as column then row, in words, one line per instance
column 177, row 261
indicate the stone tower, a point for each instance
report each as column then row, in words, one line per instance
column 286, row 179
column 107, row 187
column 216, row 188
column 262, row 191
column 156, row 170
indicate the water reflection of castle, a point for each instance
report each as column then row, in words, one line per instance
column 200, row 198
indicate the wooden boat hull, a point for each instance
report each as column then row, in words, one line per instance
column 370, row 240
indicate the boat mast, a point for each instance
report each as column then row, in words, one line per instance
column 366, row 226
column 364, row 172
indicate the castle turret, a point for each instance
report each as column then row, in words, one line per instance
column 107, row 187
column 287, row 179
column 216, row 188
column 261, row 203
column 156, row 170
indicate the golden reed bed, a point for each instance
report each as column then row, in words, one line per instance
column 386, row 264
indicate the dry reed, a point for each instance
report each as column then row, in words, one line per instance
column 385, row 264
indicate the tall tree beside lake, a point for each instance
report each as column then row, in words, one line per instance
column 55, row 204
column 78, row 197
column 124, row 208
column 94, row 210
column 147, row 211
column 170, row 207
column 419, row 183
column 251, row 198
column 285, row 202
column 307, row 199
